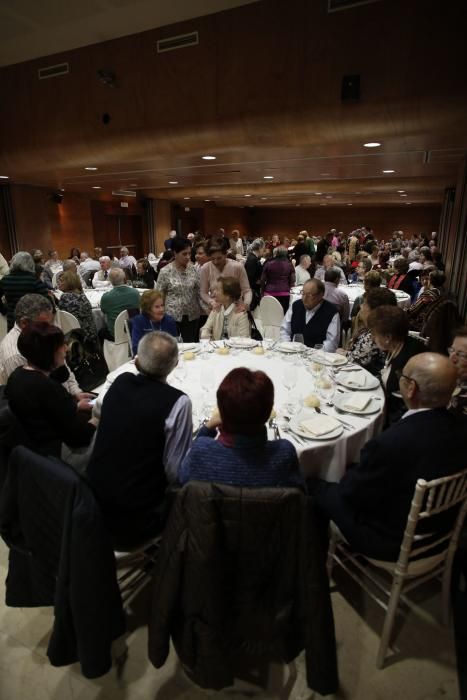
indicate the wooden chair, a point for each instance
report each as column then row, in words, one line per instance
column 430, row 498
column 271, row 315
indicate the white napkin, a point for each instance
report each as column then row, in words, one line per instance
column 355, row 378
column 333, row 358
column 356, row 402
column 319, row 425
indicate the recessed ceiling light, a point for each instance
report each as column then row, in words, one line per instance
column 318, row 193
column 372, row 144
column 173, row 182
column 186, row 198
column 4, row 177
column 96, row 187
column 329, row 196
column 263, row 198
column 268, row 177
column 62, row 189
column 323, row 204
column 357, row 192
column 408, row 202
column 349, row 204
column 389, row 171
column 400, row 191
column 207, row 200
column 247, row 195
column 324, row 174
column 404, row 195
column 90, row 167
column 133, row 184
column 209, row 157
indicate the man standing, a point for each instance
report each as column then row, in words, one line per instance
column 335, row 295
column 101, row 278
column 371, row 503
column 313, row 317
column 130, row 477
column 121, row 297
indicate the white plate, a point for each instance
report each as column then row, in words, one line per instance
column 401, row 295
column 374, row 405
column 296, row 290
column 289, row 346
column 323, row 358
column 241, row 342
column 295, row 428
column 184, row 347
column 371, row 382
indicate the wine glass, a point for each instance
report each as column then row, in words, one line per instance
column 289, row 376
column 298, row 338
column 326, row 388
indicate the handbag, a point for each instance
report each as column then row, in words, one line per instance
column 254, row 333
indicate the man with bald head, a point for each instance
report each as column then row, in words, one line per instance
column 371, row 503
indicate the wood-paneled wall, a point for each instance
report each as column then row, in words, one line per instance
column 31, row 211
column 453, row 240
column 162, row 222
column 71, row 224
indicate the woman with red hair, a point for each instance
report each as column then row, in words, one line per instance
column 242, row 455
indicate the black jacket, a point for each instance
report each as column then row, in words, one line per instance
column 61, row 555
column 239, row 569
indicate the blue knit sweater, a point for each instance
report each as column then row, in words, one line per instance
column 249, row 462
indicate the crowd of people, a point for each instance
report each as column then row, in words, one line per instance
column 206, row 288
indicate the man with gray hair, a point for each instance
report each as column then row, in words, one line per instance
column 33, row 308
column 130, row 477
column 20, row 281
column 371, row 503
column 120, row 298
column 101, row 277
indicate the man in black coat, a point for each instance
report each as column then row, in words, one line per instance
column 371, row 503
column 313, row 317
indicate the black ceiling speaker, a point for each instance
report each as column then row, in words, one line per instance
column 350, row 88
column 57, row 197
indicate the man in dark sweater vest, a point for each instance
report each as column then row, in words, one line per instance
column 144, row 432
column 313, row 317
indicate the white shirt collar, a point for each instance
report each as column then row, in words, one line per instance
column 411, row 411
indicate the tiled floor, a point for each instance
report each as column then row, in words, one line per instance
column 424, row 669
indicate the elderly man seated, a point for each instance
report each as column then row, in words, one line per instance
column 33, row 308
column 329, row 264
column 313, row 317
column 144, row 432
column 101, row 278
column 119, row 299
column 371, row 503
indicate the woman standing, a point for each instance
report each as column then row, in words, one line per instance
column 179, row 283
column 221, row 265
column 278, row 276
column 254, row 269
column 151, row 318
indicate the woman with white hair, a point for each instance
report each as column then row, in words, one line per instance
column 21, row 280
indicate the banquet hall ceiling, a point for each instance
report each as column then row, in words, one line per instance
column 261, row 93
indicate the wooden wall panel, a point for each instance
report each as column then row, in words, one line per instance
column 5, row 248
column 383, row 220
column 162, row 222
column 454, row 241
column 228, row 218
column 31, row 210
column 71, row 224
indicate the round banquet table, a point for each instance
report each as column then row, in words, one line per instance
column 327, row 459
column 353, row 291
column 94, row 296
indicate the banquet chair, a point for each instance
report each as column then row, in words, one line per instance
column 444, row 498
column 66, row 321
column 116, row 352
column 271, row 315
column 3, row 326
column 128, row 328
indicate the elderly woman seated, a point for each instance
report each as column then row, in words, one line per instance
column 401, row 279
column 242, row 455
column 226, row 320
column 48, row 414
column 151, row 318
column 76, row 302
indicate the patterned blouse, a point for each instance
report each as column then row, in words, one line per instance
column 419, row 311
column 78, row 305
column 181, row 291
column 458, row 402
column 364, row 351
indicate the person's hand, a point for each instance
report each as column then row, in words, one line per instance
column 214, row 421
column 84, row 405
column 215, row 306
column 240, row 307
column 84, row 395
column 341, row 351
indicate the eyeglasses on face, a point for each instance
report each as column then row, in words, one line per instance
column 459, row 353
column 310, row 294
column 400, row 375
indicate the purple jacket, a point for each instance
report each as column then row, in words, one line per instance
column 278, row 276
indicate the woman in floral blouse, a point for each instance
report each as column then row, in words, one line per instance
column 363, row 349
column 179, row 283
column 75, row 302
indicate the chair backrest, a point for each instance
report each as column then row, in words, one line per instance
column 431, row 499
column 120, row 331
column 128, row 328
column 271, row 312
column 87, row 277
column 66, row 321
column 3, row 326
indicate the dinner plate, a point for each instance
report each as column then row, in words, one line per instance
column 241, row 342
column 192, row 347
column 290, row 346
column 373, row 406
column 324, row 358
column 296, row 290
column 295, row 428
column 401, row 295
column 371, row 382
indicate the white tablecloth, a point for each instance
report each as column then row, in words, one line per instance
column 326, row 459
column 95, row 296
column 353, row 291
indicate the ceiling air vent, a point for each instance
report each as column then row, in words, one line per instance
column 124, row 193
column 177, row 42
column 335, row 5
column 53, row 71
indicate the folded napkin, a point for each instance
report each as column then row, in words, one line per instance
column 356, row 402
column 355, row 379
column 333, row 358
column 319, row 425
